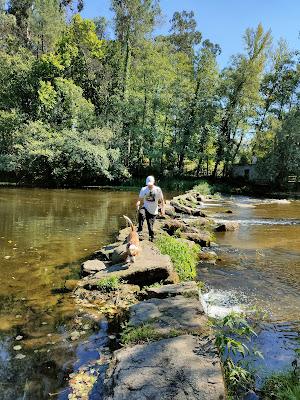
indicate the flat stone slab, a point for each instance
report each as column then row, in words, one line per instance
column 179, row 312
column 187, row 288
column 182, row 368
column 150, row 267
column 91, row 267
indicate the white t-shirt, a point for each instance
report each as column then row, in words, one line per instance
column 151, row 198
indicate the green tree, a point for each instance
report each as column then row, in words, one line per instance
column 239, row 93
column 183, row 32
column 46, row 22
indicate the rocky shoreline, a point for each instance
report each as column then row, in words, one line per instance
column 162, row 341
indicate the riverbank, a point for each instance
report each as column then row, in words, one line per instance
column 155, row 312
column 180, row 184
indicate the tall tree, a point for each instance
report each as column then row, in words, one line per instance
column 134, row 20
column 183, row 33
column 46, row 22
column 239, row 92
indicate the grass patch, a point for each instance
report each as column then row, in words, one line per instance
column 183, row 256
column 145, row 333
column 108, row 284
column 154, row 285
column 282, row 386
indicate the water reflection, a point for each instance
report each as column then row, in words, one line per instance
column 43, row 234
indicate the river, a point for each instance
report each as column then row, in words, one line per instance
column 259, row 269
column 44, row 235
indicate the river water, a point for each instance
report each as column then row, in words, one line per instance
column 44, row 235
column 259, row 270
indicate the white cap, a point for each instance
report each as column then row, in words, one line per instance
column 150, row 180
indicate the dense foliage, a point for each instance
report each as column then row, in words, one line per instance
column 183, row 256
column 78, row 106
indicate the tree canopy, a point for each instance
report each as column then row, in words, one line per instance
column 81, row 105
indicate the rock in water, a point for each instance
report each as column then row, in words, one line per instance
column 201, row 238
column 179, row 368
column 183, row 209
column 189, row 289
column 149, row 267
column 70, row 285
column 227, row 226
column 251, row 396
column 91, row 267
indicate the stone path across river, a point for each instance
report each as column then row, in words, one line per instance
column 183, row 367
column 169, row 353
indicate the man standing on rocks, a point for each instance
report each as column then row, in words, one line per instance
column 151, row 195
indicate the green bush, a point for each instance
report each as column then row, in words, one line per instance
column 43, row 155
column 184, row 257
column 231, row 334
column 108, row 284
column 282, row 386
column 203, row 188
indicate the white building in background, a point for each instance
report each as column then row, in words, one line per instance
column 246, row 171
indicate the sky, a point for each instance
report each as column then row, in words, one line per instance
column 224, row 21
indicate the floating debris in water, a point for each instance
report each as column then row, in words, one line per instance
column 7, row 257
column 17, row 347
column 19, row 337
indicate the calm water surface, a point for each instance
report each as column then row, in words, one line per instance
column 44, row 234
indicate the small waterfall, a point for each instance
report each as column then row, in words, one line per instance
column 219, row 303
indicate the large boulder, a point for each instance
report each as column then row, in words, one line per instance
column 227, row 226
column 91, row 267
column 183, row 209
column 181, row 368
column 170, row 210
column 119, row 254
column 172, row 313
column 200, row 197
column 150, row 267
column 197, row 222
column 209, row 257
column 173, row 225
column 189, row 289
column 201, row 238
column 105, row 252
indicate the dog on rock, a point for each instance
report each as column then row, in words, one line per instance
column 133, row 242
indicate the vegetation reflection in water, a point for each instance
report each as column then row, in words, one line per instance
column 43, row 234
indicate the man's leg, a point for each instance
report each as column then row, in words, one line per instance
column 150, row 222
column 142, row 216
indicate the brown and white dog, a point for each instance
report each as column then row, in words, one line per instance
column 133, row 242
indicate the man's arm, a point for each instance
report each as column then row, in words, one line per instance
column 141, row 197
column 163, row 204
